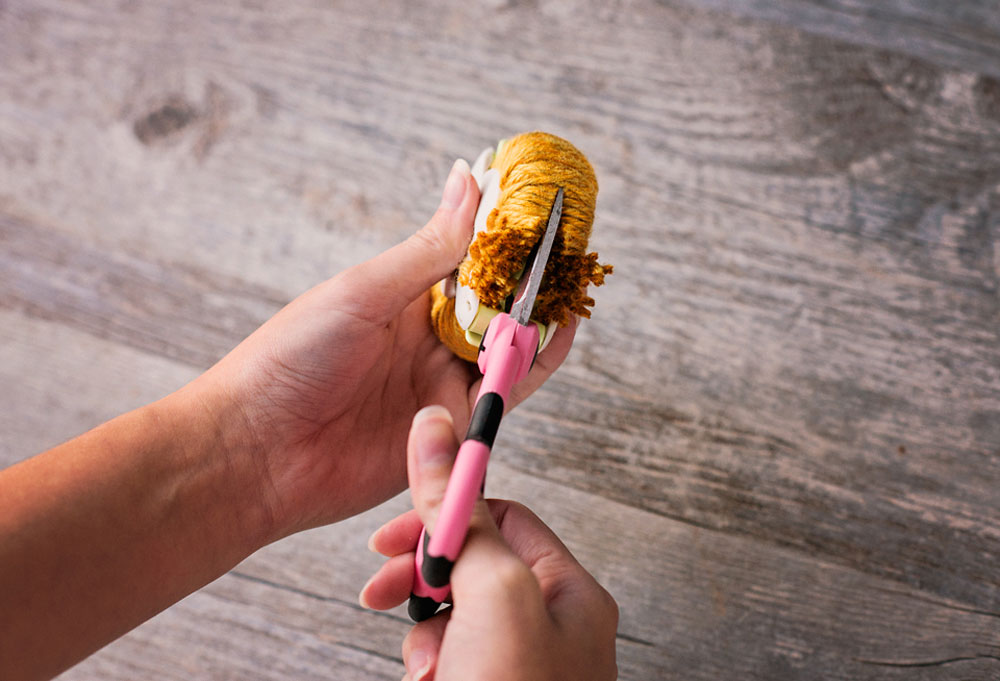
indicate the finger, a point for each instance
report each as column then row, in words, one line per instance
column 393, row 279
column 422, row 645
column 546, row 363
column 490, row 577
column 527, row 535
column 390, row 585
column 566, row 586
column 431, row 453
column 397, row 536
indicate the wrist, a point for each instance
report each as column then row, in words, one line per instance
column 216, row 434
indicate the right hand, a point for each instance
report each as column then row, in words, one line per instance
column 524, row 608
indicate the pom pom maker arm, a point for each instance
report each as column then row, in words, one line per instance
column 506, row 354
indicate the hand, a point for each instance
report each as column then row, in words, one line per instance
column 524, row 608
column 323, row 393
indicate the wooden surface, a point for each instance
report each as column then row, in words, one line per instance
column 778, row 441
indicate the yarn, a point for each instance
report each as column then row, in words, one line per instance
column 532, row 167
column 447, row 328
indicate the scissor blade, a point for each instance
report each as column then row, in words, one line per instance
column 520, row 312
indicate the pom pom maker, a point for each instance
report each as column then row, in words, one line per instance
column 472, row 315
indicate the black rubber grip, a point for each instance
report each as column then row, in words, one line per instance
column 486, row 419
column 421, row 608
column 436, row 570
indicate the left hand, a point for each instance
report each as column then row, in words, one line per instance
column 321, row 396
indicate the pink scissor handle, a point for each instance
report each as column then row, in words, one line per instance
column 506, row 356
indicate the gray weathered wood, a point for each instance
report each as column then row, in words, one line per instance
column 778, row 441
column 963, row 35
column 186, row 314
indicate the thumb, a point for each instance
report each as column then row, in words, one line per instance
column 430, row 456
column 431, row 452
column 395, row 278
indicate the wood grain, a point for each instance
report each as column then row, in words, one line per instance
column 778, row 441
column 962, row 35
column 166, row 309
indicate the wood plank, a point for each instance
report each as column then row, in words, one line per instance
column 237, row 628
column 168, row 309
column 962, row 35
column 59, row 382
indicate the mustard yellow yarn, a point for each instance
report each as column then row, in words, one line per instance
column 446, row 326
column 532, row 167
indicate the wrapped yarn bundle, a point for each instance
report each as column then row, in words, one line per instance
column 518, row 184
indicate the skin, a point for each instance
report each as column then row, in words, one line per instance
column 304, row 423
column 524, row 609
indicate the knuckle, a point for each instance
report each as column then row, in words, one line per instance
column 603, row 609
column 519, row 509
column 510, row 577
column 606, row 604
column 611, row 605
column 505, row 510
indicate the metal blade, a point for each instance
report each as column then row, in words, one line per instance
column 520, row 312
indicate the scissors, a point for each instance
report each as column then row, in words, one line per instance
column 506, row 354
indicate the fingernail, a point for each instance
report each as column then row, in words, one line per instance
column 434, row 412
column 361, row 595
column 455, row 187
column 434, row 436
column 421, row 662
column 371, row 541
